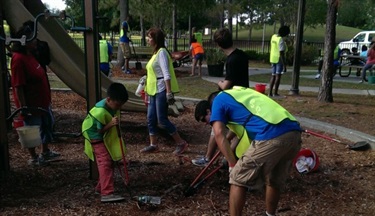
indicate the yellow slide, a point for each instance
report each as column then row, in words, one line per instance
column 68, row 60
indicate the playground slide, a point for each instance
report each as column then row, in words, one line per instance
column 68, row 60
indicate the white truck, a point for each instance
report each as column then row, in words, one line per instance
column 360, row 39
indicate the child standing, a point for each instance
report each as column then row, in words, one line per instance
column 197, row 52
column 102, row 142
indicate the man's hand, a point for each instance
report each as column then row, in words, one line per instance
column 170, row 98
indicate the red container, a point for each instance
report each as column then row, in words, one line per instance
column 17, row 123
column 260, row 88
column 144, row 97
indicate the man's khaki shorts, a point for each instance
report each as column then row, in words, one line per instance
column 125, row 48
column 267, row 161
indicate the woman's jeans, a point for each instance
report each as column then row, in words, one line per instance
column 365, row 68
column 157, row 112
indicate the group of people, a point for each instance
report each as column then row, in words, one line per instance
column 267, row 136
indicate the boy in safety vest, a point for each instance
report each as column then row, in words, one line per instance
column 276, row 140
column 102, row 141
column 277, row 58
column 197, row 52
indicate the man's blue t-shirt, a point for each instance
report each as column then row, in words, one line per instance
column 124, row 38
column 226, row 109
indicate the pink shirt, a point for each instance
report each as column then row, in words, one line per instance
column 27, row 72
column 371, row 56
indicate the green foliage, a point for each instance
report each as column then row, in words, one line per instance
column 255, row 56
column 308, row 56
column 214, row 56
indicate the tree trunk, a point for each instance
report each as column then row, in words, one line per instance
column 124, row 12
column 325, row 92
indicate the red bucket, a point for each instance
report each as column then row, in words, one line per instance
column 144, row 97
column 17, row 122
column 308, row 165
column 260, row 88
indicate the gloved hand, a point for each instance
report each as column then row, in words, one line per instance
column 170, row 98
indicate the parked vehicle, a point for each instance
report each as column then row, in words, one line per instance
column 362, row 38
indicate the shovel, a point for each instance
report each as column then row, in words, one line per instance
column 358, row 146
column 138, row 64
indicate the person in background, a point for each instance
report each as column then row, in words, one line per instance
column 364, row 52
column 277, row 59
column 336, row 62
column 197, row 35
column 370, row 61
column 267, row 159
column 237, row 74
column 102, row 141
column 196, row 51
column 105, row 55
column 160, row 86
column 31, row 89
column 124, row 44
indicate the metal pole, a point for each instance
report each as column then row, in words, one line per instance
column 4, row 101
column 298, row 48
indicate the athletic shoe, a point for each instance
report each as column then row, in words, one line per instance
column 150, row 149
column 38, row 161
column 112, row 198
column 203, row 161
column 128, row 71
column 317, row 76
column 181, row 148
column 270, row 95
column 360, row 81
column 50, row 154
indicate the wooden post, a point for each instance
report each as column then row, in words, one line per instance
column 93, row 81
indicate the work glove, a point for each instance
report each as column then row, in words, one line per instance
column 170, row 98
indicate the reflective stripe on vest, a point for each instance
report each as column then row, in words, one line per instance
column 111, row 138
column 259, row 105
column 197, row 48
column 103, row 49
column 151, row 82
column 274, row 50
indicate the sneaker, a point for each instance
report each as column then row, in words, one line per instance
column 270, row 95
column 317, row 76
column 123, row 68
column 203, row 161
column 360, row 81
column 150, row 149
column 111, row 198
column 181, row 148
column 50, row 154
column 38, row 161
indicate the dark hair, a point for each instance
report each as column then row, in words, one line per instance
column 193, row 40
column 364, row 48
column 284, row 31
column 117, row 92
column 223, row 38
column 212, row 96
column 29, row 24
column 17, row 46
column 158, row 37
column 201, row 109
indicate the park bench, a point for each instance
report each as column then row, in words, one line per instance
column 346, row 61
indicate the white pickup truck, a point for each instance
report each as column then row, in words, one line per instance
column 362, row 38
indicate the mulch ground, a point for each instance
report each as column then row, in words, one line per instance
column 343, row 185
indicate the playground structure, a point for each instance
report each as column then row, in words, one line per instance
column 78, row 71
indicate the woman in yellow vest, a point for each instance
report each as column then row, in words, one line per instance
column 276, row 140
column 161, row 84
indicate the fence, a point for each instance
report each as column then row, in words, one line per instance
column 183, row 44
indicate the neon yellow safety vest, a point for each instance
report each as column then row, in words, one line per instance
column 336, row 53
column 111, row 138
column 274, row 50
column 103, row 49
column 259, row 105
column 198, row 36
column 151, row 82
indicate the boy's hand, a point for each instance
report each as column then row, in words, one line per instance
column 114, row 121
